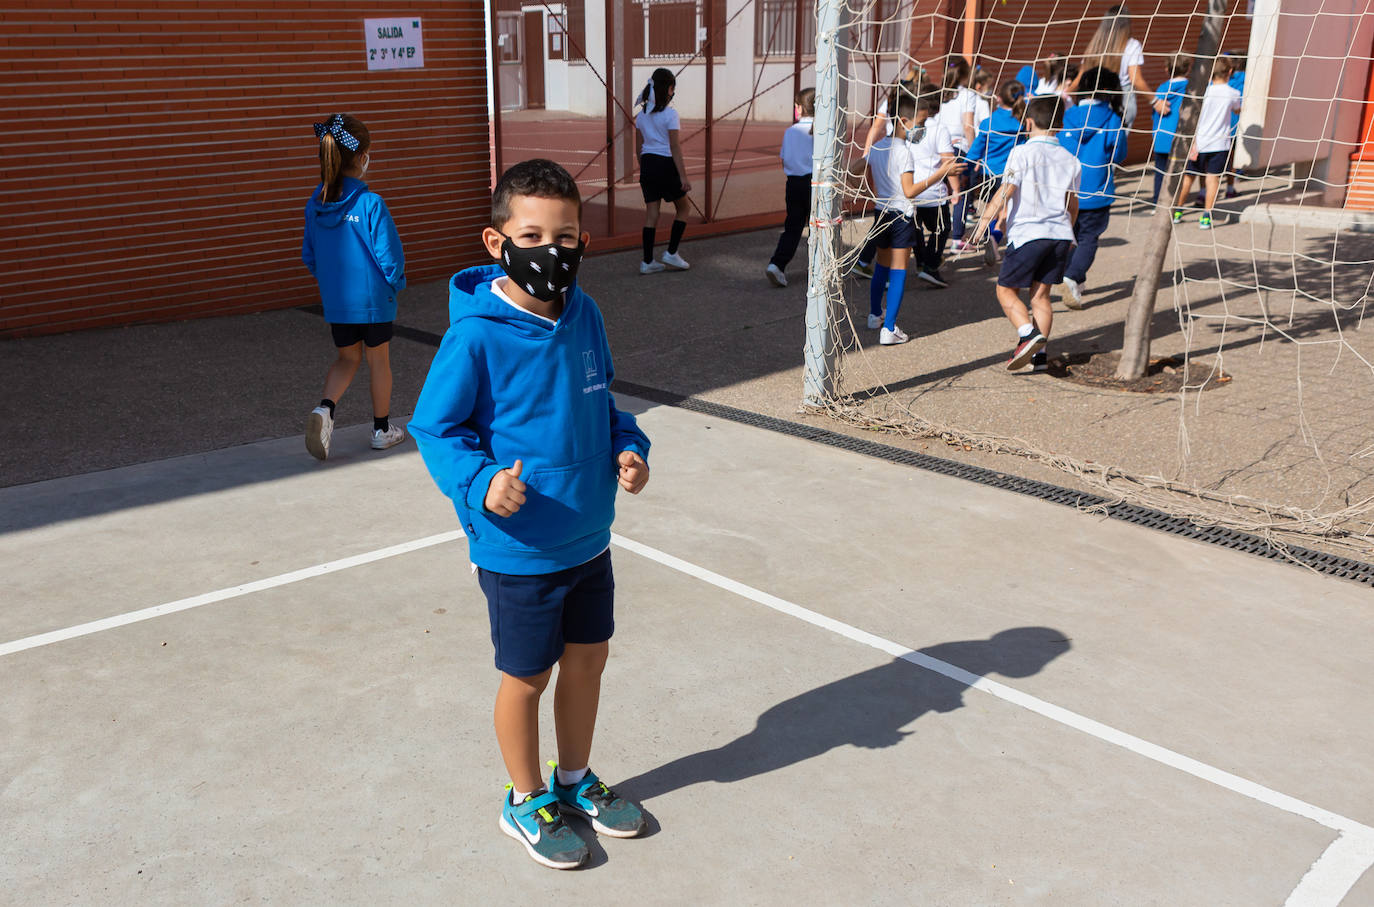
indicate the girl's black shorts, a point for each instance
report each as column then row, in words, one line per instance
column 659, row 179
column 370, row 334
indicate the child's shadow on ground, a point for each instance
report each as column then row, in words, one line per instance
column 868, row 710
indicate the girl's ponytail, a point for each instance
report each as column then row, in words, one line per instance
column 342, row 139
column 1012, row 96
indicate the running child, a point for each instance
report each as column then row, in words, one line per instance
column 997, row 135
column 797, row 144
column 1212, row 144
column 1167, row 107
column 932, row 152
column 352, row 248
column 1041, row 183
column 1092, row 133
column 879, row 128
column 517, row 426
column 662, row 175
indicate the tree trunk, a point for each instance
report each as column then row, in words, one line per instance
column 1135, row 344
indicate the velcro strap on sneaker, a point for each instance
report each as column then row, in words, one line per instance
column 534, row 804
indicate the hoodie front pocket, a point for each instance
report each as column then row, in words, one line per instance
column 562, row 504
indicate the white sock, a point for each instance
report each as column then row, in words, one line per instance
column 567, row 778
column 516, row 798
column 1025, row 330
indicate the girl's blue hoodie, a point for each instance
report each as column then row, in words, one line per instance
column 1093, row 134
column 352, row 248
column 997, row 135
column 507, row 385
column 1166, row 127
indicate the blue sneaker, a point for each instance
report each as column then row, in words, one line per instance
column 609, row 813
column 539, row 825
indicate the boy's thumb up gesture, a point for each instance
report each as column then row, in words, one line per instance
column 506, row 492
column 634, row 472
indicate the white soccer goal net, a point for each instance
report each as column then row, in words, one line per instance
column 1255, row 410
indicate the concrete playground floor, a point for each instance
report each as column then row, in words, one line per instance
column 244, row 675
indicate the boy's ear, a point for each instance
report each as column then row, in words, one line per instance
column 586, row 240
column 492, row 239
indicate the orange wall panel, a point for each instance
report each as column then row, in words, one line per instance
column 158, row 155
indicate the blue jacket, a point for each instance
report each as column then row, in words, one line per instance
column 352, row 248
column 507, row 385
column 997, row 135
column 1166, row 127
column 1237, row 81
column 1093, row 134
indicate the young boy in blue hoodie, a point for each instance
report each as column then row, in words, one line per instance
column 1093, row 133
column 1168, row 106
column 517, row 426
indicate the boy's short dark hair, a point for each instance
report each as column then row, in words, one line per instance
column 906, row 105
column 1045, row 112
column 928, row 98
column 539, row 177
column 1180, row 65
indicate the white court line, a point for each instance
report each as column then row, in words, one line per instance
column 195, row 601
column 1328, row 880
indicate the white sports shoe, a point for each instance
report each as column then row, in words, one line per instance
column 650, row 267
column 394, row 435
column 892, row 337
column 1073, row 298
column 319, row 428
column 775, row 275
column 874, row 321
column 674, row 261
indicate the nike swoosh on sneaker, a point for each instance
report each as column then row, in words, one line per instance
column 590, row 809
column 533, row 839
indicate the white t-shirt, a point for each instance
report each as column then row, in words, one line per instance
column 1043, row 172
column 887, row 120
column 981, row 111
column 925, row 157
column 952, row 115
column 1214, row 121
column 797, row 146
column 889, row 159
column 1133, row 54
column 654, row 127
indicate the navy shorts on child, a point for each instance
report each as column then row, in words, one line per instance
column 893, row 230
column 1037, row 261
column 1212, row 162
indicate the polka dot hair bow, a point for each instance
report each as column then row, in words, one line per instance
column 335, row 127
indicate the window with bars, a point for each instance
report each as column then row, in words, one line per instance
column 671, row 28
column 775, row 27
column 884, row 30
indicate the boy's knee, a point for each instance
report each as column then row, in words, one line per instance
column 584, row 659
column 531, row 686
column 353, row 354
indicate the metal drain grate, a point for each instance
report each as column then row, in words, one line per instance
column 1319, row 561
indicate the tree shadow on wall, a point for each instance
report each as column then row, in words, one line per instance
column 866, row 710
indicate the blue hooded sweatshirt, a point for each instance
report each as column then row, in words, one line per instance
column 997, row 135
column 507, row 385
column 1166, row 127
column 352, row 248
column 1093, row 134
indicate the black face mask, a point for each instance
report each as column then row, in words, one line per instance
column 542, row 271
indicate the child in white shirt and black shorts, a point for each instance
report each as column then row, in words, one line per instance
column 1041, row 182
column 1212, row 144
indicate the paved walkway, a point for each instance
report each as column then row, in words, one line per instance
column 304, row 717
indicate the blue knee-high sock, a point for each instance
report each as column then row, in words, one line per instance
column 876, row 288
column 896, row 283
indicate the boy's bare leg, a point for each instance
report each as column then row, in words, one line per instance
column 517, row 727
column 576, row 696
column 1184, row 187
column 898, row 258
column 342, row 371
column 379, row 378
column 1040, row 307
column 1012, row 306
column 1213, row 184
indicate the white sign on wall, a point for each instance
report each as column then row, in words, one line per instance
column 394, row 44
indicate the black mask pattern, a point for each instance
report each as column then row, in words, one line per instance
column 542, row 271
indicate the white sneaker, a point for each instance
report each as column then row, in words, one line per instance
column 775, row 275
column 674, row 261
column 650, row 267
column 319, row 428
column 874, row 322
column 1074, row 297
column 892, row 337
column 394, row 435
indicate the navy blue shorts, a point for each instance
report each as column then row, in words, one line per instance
column 532, row 617
column 893, row 230
column 370, row 335
column 1038, row 261
column 1209, row 162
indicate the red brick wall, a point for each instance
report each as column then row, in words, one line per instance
column 161, row 153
